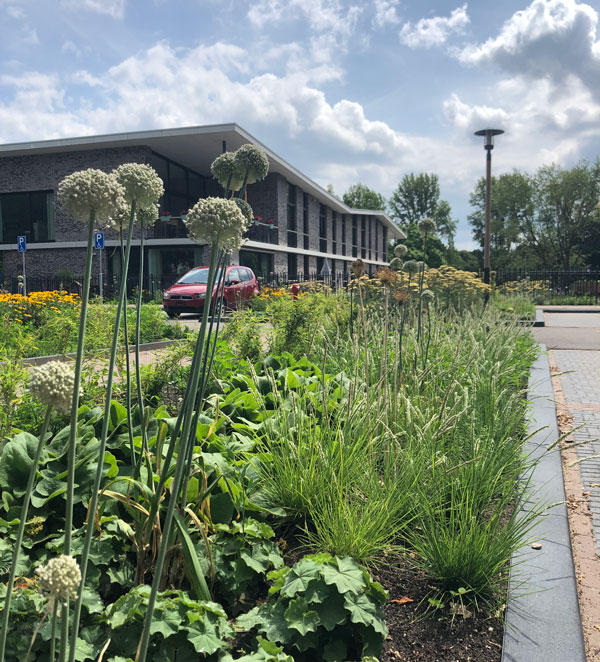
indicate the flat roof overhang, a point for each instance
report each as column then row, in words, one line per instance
column 195, row 147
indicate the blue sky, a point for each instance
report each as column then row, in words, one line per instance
column 345, row 90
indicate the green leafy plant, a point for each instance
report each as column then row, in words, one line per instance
column 323, row 606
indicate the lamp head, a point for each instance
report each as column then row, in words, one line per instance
column 488, row 135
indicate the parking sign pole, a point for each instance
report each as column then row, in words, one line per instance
column 101, row 276
column 24, row 276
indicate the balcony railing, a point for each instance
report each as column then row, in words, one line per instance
column 266, row 233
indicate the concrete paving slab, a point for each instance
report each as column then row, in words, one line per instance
column 573, row 320
column 568, row 338
column 542, row 617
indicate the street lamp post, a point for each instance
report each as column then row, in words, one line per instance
column 488, row 145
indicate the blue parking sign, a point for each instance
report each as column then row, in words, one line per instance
column 98, row 240
column 22, row 244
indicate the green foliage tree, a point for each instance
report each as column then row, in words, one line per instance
column 361, row 196
column 548, row 219
column 417, row 197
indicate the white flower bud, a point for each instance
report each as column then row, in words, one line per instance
column 217, row 220
column 60, row 578
column 52, row 384
column 140, row 182
column 88, row 190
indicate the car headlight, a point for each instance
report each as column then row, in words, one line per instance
column 201, row 295
column 166, row 295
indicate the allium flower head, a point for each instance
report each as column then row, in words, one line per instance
column 226, row 169
column 358, row 268
column 396, row 264
column 411, row 267
column 60, row 578
column 401, row 296
column 245, row 208
column 140, row 182
column 400, row 250
column 387, row 276
column 421, row 265
column 146, row 216
column 217, row 220
column 426, row 226
column 90, row 190
column 120, row 216
column 52, row 384
column 427, row 295
column 252, row 160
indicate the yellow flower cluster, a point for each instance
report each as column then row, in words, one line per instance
column 524, row 286
column 24, row 309
column 448, row 281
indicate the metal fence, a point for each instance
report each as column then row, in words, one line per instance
column 555, row 283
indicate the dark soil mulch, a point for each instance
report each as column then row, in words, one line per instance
column 435, row 636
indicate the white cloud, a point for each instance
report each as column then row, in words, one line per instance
column 113, row 8
column 385, row 13
column 434, row 31
column 549, row 39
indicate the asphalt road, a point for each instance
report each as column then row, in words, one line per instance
column 570, row 330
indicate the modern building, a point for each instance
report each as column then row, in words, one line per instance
column 299, row 228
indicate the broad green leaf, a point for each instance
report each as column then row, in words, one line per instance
column 335, row 651
column 298, row 579
column 300, row 617
column 362, row 610
column 347, row 576
column 204, row 639
column 331, row 612
column 165, row 622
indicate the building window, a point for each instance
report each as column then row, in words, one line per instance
column 305, row 219
column 183, row 188
column 376, row 239
column 29, row 214
column 292, row 270
column 343, row 234
column 384, row 247
column 334, row 233
column 354, row 236
column 323, row 229
column 292, row 235
column 306, row 266
column 363, row 236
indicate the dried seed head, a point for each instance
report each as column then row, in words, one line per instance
column 401, row 296
column 358, row 268
column 387, row 276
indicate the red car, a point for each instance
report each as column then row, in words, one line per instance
column 188, row 294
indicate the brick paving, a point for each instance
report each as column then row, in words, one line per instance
column 581, row 388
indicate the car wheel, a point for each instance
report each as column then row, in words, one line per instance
column 172, row 315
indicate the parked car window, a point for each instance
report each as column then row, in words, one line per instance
column 246, row 274
column 232, row 275
column 196, row 277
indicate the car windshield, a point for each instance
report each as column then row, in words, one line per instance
column 196, row 277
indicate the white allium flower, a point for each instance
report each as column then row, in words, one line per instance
column 52, row 384
column 428, row 295
column 426, row 226
column 396, row 264
column 147, row 216
column 217, row 219
column 140, row 182
column 60, row 578
column 245, row 208
column 226, row 170
column 400, row 250
column 252, row 160
column 411, row 267
column 88, row 190
column 120, row 216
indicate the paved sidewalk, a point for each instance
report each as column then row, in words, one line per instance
column 581, row 387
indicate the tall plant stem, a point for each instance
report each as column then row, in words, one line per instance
column 192, row 386
column 20, row 532
column 363, row 320
column 134, row 462
column 89, row 531
column 85, row 295
column 53, row 630
column 138, row 319
column 402, row 320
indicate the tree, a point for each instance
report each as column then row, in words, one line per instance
column 417, row 197
column 361, row 196
column 512, row 213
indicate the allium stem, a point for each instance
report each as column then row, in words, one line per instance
column 20, row 532
column 192, row 387
column 53, row 630
column 138, row 320
column 89, row 531
column 134, row 462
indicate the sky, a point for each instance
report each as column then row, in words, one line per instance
column 345, row 90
